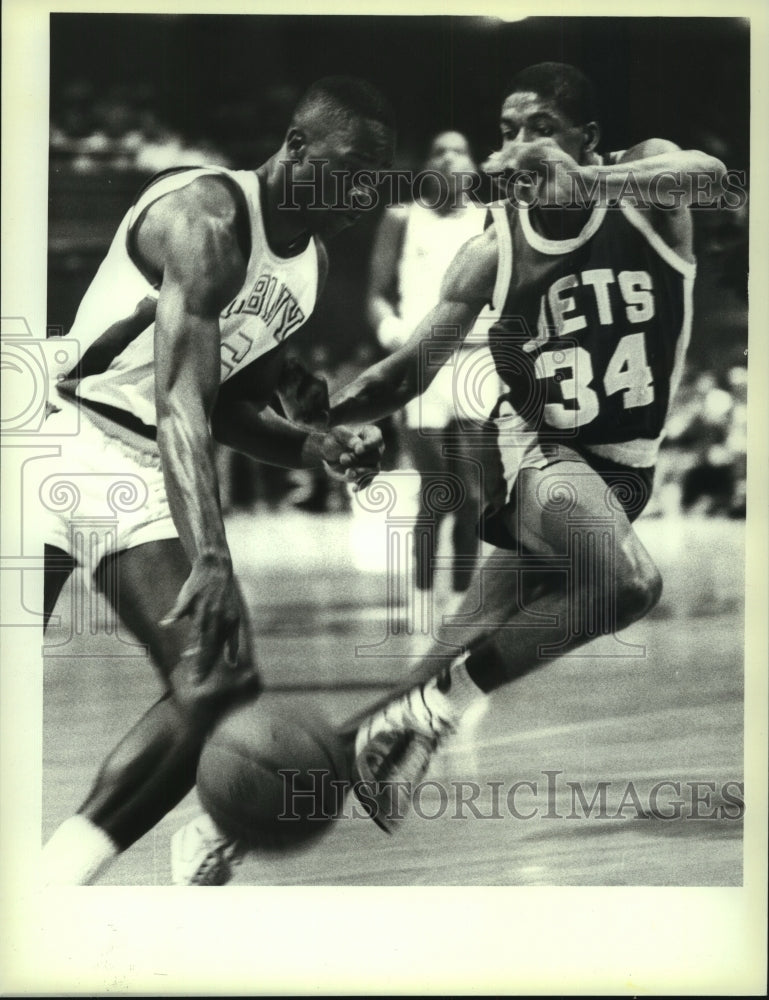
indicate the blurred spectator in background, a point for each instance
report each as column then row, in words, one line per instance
column 72, row 115
column 706, row 447
column 722, row 237
column 414, row 245
column 236, row 115
column 736, row 443
column 161, row 148
column 120, row 130
column 73, row 132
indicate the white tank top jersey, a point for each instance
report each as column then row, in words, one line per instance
column 115, row 322
column 430, row 243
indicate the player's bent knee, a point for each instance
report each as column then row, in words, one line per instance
column 203, row 700
column 638, row 591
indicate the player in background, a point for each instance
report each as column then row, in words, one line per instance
column 596, row 298
column 182, row 334
column 414, row 245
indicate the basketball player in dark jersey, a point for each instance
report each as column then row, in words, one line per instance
column 592, row 268
column 181, row 337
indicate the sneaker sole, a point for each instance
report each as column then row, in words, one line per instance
column 385, row 755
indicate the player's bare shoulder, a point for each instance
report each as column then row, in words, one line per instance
column 195, row 231
column 471, row 275
column 672, row 221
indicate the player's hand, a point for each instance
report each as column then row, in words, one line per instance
column 353, row 455
column 209, row 598
column 540, row 165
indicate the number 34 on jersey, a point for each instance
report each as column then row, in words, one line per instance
column 627, row 372
column 571, row 366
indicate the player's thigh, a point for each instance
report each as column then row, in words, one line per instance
column 549, row 505
column 568, row 509
column 143, row 584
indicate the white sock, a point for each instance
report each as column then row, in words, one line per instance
column 449, row 701
column 77, row 853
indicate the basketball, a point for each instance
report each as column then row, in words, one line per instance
column 270, row 778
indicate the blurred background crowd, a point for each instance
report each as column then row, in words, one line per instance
column 131, row 95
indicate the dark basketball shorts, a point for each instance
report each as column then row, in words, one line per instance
column 516, row 447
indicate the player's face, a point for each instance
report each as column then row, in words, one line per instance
column 450, row 155
column 527, row 117
column 347, row 162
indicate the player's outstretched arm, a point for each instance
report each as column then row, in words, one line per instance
column 244, row 420
column 193, row 242
column 264, row 435
column 660, row 174
column 387, row 386
column 655, row 173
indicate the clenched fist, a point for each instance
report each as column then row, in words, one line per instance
column 350, row 454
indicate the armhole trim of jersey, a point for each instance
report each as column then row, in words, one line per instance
column 681, row 345
column 498, row 213
column 668, row 254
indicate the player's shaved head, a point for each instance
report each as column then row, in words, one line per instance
column 333, row 102
column 342, row 128
column 566, row 86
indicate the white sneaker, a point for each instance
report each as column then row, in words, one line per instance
column 202, row 855
column 393, row 750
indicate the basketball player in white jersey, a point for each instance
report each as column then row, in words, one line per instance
column 181, row 337
column 595, row 294
column 414, row 245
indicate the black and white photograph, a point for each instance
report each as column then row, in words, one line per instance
column 384, row 488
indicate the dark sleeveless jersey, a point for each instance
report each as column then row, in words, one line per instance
column 593, row 331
